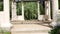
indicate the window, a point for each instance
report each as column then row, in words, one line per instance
column 1, row 5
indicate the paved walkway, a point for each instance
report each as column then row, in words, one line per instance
column 29, row 29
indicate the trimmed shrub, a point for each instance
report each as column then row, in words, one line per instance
column 55, row 30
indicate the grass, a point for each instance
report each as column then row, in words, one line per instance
column 4, row 32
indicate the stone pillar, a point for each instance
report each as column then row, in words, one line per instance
column 55, row 10
column 47, row 9
column 22, row 10
column 38, row 9
column 5, row 23
column 14, row 14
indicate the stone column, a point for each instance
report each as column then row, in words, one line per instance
column 55, row 10
column 47, row 9
column 38, row 9
column 14, row 14
column 22, row 10
column 5, row 23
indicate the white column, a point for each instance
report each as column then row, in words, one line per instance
column 22, row 10
column 47, row 9
column 49, row 13
column 14, row 14
column 55, row 10
column 38, row 9
column 5, row 23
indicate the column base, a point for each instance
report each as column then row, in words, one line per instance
column 49, row 19
column 20, row 18
column 40, row 17
column 6, row 26
column 15, row 18
column 53, row 24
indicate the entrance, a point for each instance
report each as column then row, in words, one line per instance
column 30, row 10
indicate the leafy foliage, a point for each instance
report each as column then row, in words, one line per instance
column 30, row 10
column 1, row 5
column 55, row 30
column 19, row 8
column 1, row 0
column 42, row 9
column 59, row 3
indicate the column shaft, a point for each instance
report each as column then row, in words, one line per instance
column 22, row 10
column 55, row 11
column 5, row 16
column 54, row 8
column 38, row 9
column 47, row 9
column 14, row 15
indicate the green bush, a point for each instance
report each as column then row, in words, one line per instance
column 1, row 5
column 30, row 10
column 19, row 8
column 55, row 30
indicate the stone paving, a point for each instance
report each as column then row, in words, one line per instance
column 30, row 29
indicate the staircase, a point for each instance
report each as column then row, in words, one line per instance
column 29, row 27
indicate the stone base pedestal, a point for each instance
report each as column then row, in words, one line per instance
column 5, row 30
column 53, row 24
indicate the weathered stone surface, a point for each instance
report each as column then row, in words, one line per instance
column 29, row 29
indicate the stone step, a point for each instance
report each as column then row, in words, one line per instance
column 29, row 29
column 25, row 21
column 29, row 33
column 30, row 22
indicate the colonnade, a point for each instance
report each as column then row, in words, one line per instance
column 4, row 16
column 47, row 10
